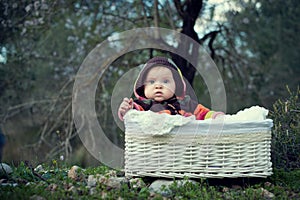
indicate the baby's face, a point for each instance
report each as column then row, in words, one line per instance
column 159, row 84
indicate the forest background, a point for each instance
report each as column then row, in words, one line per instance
column 254, row 43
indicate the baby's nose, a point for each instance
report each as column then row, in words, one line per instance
column 158, row 86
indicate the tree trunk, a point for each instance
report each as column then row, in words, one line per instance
column 189, row 12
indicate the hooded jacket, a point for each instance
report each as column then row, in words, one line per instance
column 180, row 103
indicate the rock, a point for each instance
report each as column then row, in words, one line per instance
column 74, row 173
column 183, row 182
column 72, row 189
column 92, row 181
column 103, row 195
column 29, row 184
column 265, row 193
column 9, row 184
column 112, row 182
column 39, row 169
column 101, row 179
column 161, row 187
column 236, row 187
column 293, row 195
column 36, row 197
column 111, row 173
column 268, row 184
column 115, row 182
column 5, row 169
column 52, row 187
column 225, row 189
column 92, row 191
column 137, row 183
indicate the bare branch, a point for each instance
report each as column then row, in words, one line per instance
column 211, row 36
column 156, row 16
column 168, row 11
column 144, row 13
column 179, row 8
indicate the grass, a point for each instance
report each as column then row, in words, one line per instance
column 54, row 183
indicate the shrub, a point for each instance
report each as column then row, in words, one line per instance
column 286, row 132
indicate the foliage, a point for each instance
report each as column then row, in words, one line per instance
column 265, row 34
column 191, row 190
column 53, row 182
column 290, row 179
column 45, row 43
column 286, row 132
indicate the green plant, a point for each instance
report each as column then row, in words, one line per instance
column 25, row 172
column 186, row 189
column 57, row 185
column 286, row 132
column 285, row 179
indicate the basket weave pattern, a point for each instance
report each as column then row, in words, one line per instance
column 197, row 155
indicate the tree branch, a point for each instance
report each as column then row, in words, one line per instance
column 156, row 16
column 179, row 8
column 144, row 12
column 212, row 35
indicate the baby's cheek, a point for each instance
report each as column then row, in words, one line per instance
column 170, row 89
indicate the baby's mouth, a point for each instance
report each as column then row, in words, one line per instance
column 158, row 93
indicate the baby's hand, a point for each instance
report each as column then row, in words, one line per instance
column 126, row 105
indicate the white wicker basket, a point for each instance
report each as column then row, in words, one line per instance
column 198, row 149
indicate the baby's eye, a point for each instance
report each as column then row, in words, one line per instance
column 166, row 81
column 151, row 81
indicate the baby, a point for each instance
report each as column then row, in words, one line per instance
column 160, row 87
